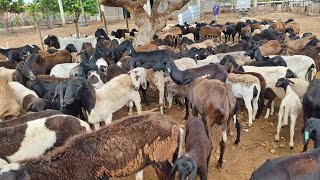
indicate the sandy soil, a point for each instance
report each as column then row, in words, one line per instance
column 257, row 143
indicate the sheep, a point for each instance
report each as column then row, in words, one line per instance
column 289, row 104
column 310, row 130
column 173, row 89
column 300, row 65
column 294, row 26
column 208, row 31
column 146, row 48
column 101, row 103
column 7, row 74
column 299, row 86
column 95, row 80
column 175, row 31
column 62, row 42
column 62, row 56
column 299, row 43
column 23, row 141
column 101, row 158
column 30, row 116
column 8, row 104
column 214, row 100
column 256, row 31
column 300, row 166
column 239, row 57
column 63, row 70
column 21, row 93
column 210, row 71
column 272, row 47
column 198, row 152
column 248, row 87
column 208, row 60
column 203, row 44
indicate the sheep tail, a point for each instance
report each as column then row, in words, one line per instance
column 181, row 137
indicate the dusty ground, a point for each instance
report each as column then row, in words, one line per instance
column 257, row 143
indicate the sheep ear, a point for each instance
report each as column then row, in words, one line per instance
column 290, row 81
column 144, row 83
column 173, row 171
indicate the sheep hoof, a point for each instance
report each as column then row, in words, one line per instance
column 237, row 141
column 266, row 117
column 291, row 147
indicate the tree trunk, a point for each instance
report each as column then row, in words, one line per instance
column 76, row 20
column 148, row 27
column 62, row 12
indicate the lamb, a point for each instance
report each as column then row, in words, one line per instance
column 22, row 142
column 198, row 152
column 299, row 86
column 8, row 104
column 248, row 87
column 289, row 104
column 299, row 43
column 101, row 158
column 300, row 166
column 101, row 103
column 216, row 107
column 311, row 131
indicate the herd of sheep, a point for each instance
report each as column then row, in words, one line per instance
column 57, row 105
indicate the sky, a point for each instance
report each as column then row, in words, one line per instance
column 27, row 1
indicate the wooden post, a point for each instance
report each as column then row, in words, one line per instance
column 38, row 29
column 104, row 21
column 126, row 17
column 62, row 12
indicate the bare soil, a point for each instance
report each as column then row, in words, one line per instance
column 257, row 143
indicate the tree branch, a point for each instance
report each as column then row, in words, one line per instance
column 172, row 6
column 154, row 10
column 130, row 5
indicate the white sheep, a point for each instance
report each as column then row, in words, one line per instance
column 21, row 92
column 290, row 104
column 239, row 57
column 185, row 63
column 38, row 136
column 77, row 42
column 93, row 76
column 203, row 44
column 112, row 96
column 300, row 65
column 209, row 59
column 248, row 88
column 7, row 74
column 299, row 86
column 62, row 70
column 189, row 36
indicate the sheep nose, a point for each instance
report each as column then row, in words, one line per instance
column 136, row 88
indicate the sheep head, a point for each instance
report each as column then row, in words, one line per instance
column 138, row 77
column 186, row 166
column 14, row 172
column 25, row 70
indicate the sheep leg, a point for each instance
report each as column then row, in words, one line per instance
column 186, row 101
column 161, row 97
column 238, row 132
column 169, row 99
column 247, row 102
column 96, row 126
column 279, row 123
column 144, row 94
column 108, row 119
column 222, row 146
column 255, row 107
column 293, row 117
column 130, row 105
column 137, row 102
column 162, row 169
column 268, row 109
column 139, row 175
column 194, row 111
column 272, row 108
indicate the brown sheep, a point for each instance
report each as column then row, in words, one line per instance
column 254, row 27
column 216, row 103
column 28, row 117
column 62, row 56
column 245, row 32
column 52, row 79
column 207, row 31
column 174, row 31
column 278, row 26
column 295, row 26
column 119, row 149
column 9, row 106
column 146, row 48
column 299, row 43
column 272, row 47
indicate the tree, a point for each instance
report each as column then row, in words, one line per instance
column 74, row 7
column 6, row 6
column 148, row 24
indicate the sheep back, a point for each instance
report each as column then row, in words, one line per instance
column 245, row 79
column 8, row 104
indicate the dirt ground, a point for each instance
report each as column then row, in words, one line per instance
column 257, row 143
